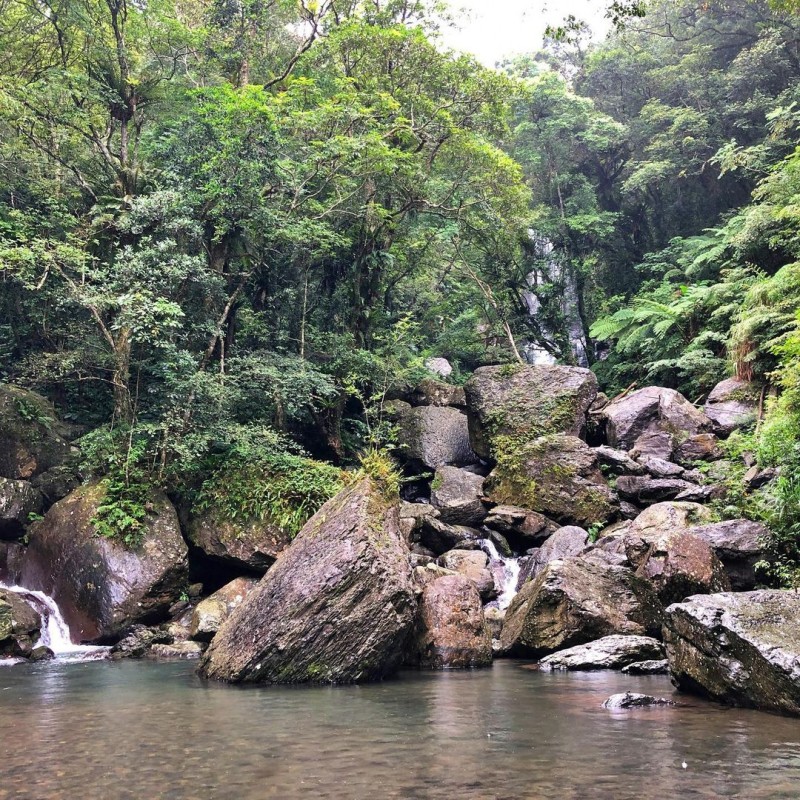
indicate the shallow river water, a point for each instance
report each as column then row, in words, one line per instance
column 143, row 730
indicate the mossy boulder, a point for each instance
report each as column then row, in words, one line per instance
column 337, row 607
column 451, row 631
column 574, row 601
column 20, row 625
column 246, row 545
column 18, row 502
column 739, row 648
column 520, row 403
column 558, row 476
column 32, row 439
column 101, row 584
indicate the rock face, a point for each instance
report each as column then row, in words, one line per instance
column 209, row 614
column 19, row 625
column 739, row 545
column 456, row 494
column 610, row 652
column 431, row 437
column 31, row 437
column 18, row 500
column 522, row 403
column 557, row 476
column 652, row 410
column 567, row 541
column 739, row 648
column 451, row 632
column 337, row 607
column 252, row 546
column 731, row 404
column 576, row 601
column 100, row 585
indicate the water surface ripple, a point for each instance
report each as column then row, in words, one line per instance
column 142, row 730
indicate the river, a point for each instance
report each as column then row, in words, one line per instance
column 146, row 730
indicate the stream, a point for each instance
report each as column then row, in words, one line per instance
column 154, row 730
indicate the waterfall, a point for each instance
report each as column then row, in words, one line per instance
column 55, row 631
column 510, row 568
column 551, row 270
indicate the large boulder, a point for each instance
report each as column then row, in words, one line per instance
column 430, row 437
column 451, row 632
column 576, row 601
column 209, row 614
column 644, row 490
column 32, row 439
column 101, row 584
column 456, row 494
column 610, row 652
column 440, row 537
column 474, row 565
column 731, row 404
column 678, row 564
column 430, row 392
column 19, row 625
column 565, row 542
column 337, row 607
column 652, row 410
column 18, row 502
column 556, row 475
column 739, row 648
column 251, row 545
column 519, row 403
column 740, row 545
column 667, row 517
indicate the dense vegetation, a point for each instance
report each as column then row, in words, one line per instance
column 229, row 229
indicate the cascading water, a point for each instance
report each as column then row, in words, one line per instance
column 510, row 573
column 55, row 631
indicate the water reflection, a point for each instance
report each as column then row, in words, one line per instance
column 140, row 730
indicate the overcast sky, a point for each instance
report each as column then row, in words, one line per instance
column 493, row 29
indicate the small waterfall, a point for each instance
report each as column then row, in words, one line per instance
column 510, row 568
column 55, row 631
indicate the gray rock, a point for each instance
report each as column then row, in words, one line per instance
column 451, row 632
column 209, row 614
column 521, row 526
column 567, row 541
column 617, row 462
column 575, row 601
column 440, row 537
column 521, row 403
column 610, row 652
column 659, row 468
column 474, row 565
column 739, row 648
column 183, row 650
column 337, row 607
column 657, row 444
column 439, row 366
column 100, row 584
column 558, row 476
column 645, row 491
column 655, row 667
column 248, row 545
column 412, row 516
column 456, row 495
column 137, row 640
column 700, row 447
column 652, row 410
column 430, row 437
column 634, row 700
column 18, row 501
column 435, row 393
column 740, row 545
column 731, row 404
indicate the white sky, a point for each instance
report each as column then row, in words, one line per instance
column 494, row 29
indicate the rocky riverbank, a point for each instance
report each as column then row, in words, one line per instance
column 549, row 523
